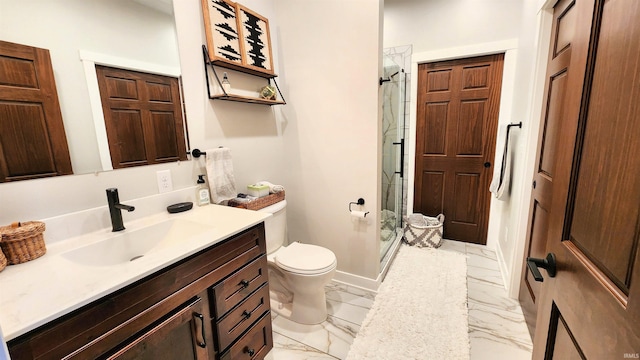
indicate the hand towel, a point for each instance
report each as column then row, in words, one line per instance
column 222, row 181
column 272, row 188
column 502, row 174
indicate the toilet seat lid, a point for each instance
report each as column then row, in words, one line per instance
column 305, row 259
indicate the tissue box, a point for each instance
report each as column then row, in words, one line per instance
column 258, row 190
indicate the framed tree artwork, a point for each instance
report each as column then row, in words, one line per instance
column 221, row 28
column 255, row 40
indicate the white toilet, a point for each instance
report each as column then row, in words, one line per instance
column 297, row 273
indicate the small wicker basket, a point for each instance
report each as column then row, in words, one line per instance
column 259, row 203
column 3, row 260
column 22, row 242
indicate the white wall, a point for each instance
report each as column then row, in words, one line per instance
column 330, row 55
column 440, row 24
column 439, row 29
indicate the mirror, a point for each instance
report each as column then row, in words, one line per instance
column 137, row 35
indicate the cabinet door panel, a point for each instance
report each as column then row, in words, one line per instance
column 180, row 337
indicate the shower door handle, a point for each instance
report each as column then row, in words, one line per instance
column 401, row 143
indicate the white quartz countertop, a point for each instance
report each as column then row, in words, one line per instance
column 41, row 290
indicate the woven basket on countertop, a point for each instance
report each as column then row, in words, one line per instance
column 3, row 260
column 22, row 242
column 259, row 203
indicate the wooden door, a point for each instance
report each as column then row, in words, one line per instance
column 542, row 183
column 457, row 117
column 33, row 142
column 591, row 308
column 143, row 117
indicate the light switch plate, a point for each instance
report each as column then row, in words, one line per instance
column 164, row 181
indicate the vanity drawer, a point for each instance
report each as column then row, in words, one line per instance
column 240, row 319
column 255, row 344
column 238, row 286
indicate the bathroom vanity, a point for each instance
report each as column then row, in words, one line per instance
column 204, row 296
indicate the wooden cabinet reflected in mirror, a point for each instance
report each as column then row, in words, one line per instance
column 143, row 117
column 33, row 143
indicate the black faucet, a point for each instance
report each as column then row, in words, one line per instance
column 115, row 209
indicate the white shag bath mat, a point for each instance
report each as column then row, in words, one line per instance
column 420, row 311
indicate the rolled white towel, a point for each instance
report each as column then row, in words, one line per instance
column 272, row 188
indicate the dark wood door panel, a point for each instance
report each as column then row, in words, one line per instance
column 156, row 133
column 563, row 345
column 435, row 117
column 557, row 88
column 595, row 207
column 557, row 73
column 465, row 198
column 470, row 135
column 23, row 126
column 33, row 142
column 608, row 187
column 431, row 192
column 457, row 121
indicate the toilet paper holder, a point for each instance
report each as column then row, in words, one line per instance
column 359, row 202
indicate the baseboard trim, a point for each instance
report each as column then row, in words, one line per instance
column 502, row 265
column 357, row 280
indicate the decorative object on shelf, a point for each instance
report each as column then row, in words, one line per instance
column 210, row 69
column 221, row 28
column 255, row 40
column 268, row 92
column 226, row 85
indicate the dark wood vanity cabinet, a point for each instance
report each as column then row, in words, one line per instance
column 212, row 305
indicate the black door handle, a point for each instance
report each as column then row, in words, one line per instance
column 534, row 184
column 549, row 264
column 487, row 164
column 401, row 143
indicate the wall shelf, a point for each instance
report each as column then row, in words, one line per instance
column 246, row 99
column 233, row 97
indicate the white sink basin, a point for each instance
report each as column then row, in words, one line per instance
column 131, row 245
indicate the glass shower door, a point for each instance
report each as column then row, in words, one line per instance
column 392, row 158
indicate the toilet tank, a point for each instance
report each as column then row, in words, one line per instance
column 275, row 227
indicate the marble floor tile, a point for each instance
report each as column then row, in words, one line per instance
column 452, row 245
column 346, row 311
column 485, row 346
column 350, row 295
column 285, row 348
column 506, row 327
column 333, row 336
column 481, row 250
column 481, row 293
column 484, row 275
column 481, row 261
